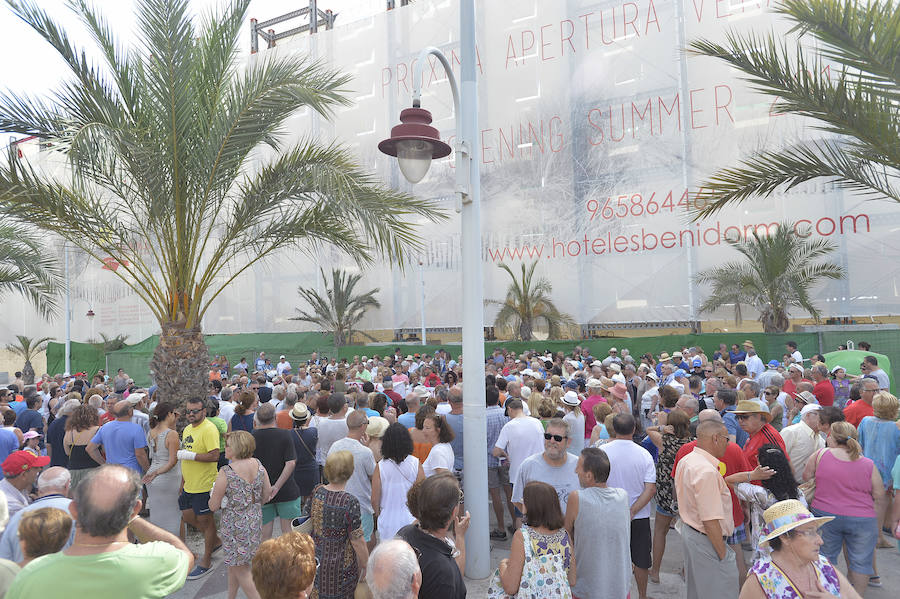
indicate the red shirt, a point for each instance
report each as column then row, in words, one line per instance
column 855, row 412
column 824, row 392
column 395, row 397
column 790, row 387
column 733, row 461
column 765, row 435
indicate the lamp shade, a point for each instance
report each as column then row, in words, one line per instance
column 415, row 143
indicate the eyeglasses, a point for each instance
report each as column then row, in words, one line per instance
column 742, row 416
column 193, row 411
column 557, row 438
column 805, row 533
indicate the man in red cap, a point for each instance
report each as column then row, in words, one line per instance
column 20, row 470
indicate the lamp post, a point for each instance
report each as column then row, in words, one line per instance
column 416, row 143
column 68, row 313
column 422, row 284
column 90, row 316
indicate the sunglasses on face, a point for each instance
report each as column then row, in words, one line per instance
column 742, row 416
column 557, row 438
column 193, row 411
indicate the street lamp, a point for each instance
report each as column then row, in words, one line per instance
column 90, row 316
column 416, row 143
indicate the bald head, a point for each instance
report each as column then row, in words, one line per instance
column 356, row 420
column 105, row 500
column 709, row 428
column 710, row 415
column 393, row 571
column 54, row 480
column 122, row 409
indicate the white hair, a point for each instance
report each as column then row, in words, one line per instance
column 53, row 479
column 68, row 407
column 392, row 567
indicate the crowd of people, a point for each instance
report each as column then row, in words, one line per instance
column 344, row 476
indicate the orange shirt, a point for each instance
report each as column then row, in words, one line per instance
column 702, row 492
column 283, row 419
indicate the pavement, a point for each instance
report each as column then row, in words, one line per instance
column 671, row 586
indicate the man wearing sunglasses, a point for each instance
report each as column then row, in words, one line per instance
column 199, row 455
column 554, row 466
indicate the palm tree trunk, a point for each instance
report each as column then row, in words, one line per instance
column 28, row 373
column 525, row 330
column 180, row 364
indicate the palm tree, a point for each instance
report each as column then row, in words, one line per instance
column 28, row 348
column 110, row 344
column 26, row 269
column 528, row 304
column 339, row 310
column 858, row 100
column 160, row 137
column 777, row 272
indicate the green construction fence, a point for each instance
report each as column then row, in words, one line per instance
column 297, row 347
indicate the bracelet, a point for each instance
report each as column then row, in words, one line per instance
column 748, row 477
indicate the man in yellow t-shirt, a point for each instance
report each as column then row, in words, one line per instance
column 199, row 455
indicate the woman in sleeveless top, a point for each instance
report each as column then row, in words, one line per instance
column 239, row 491
column 541, row 555
column 163, row 480
column 393, row 476
column 794, row 568
column 243, row 412
column 848, row 487
column 80, row 428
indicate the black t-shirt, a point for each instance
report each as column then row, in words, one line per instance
column 274, row 447
column 264, row 394
column 441, row 578
column 55, row 433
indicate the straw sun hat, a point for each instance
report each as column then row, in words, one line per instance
column 784, row 516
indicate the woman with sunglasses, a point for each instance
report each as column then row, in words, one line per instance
column 794, row 568
column 163, row 480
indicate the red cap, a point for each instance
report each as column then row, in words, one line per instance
column 20, row 461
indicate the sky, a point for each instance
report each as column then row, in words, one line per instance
column 32, row 67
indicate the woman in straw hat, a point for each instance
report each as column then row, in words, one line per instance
column 305, row 439
column 794, row 569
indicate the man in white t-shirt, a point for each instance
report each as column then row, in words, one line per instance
column 282, row 366
column 520, row 438
column 360, row 483
column 554, row 466
column 632, row 469
column 796, row 356
column 334, row 427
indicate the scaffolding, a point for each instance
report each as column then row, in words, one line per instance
column 263, row 30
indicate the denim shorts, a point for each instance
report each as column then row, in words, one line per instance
column 860, row 535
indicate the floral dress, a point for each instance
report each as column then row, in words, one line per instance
column 554, row 544
column 241, row 524
column 776, row 585
column 665, row 487
column 336, row 520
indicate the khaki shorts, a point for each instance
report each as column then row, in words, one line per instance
column 499, row 476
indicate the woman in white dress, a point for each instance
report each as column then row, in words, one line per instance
column 397, row 471
column 439, row 434
column 163, row 480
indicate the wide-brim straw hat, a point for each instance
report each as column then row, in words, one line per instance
column 299, row 412
column 749, row 406
column 784, row 516
column 377, row 426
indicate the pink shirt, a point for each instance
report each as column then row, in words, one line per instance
column 844, row 488
column 587, row 408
